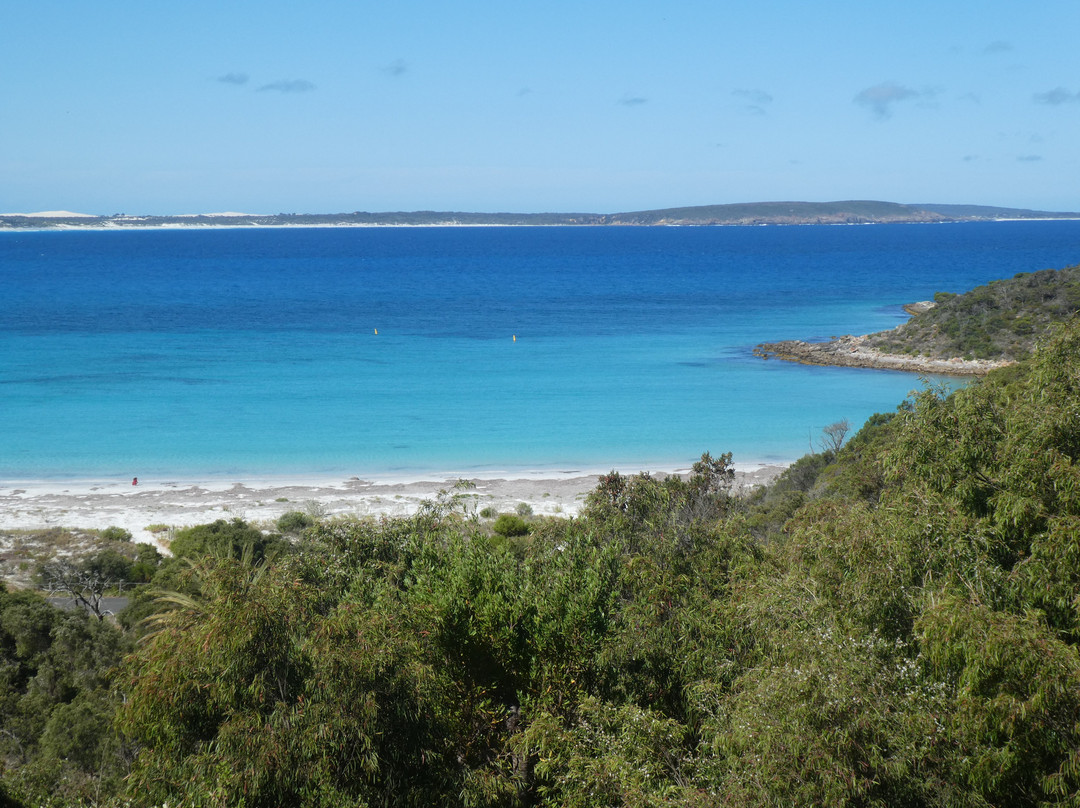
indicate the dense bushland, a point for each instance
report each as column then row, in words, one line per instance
column 895, row 622
column 1001, row 320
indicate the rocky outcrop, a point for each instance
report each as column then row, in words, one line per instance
column 853, row 352
column 918, row 307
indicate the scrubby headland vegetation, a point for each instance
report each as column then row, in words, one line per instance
column 895, row 621
column 1000, row 320
column 969, row 333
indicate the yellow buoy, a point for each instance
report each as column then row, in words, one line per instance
column 376, row 332
column 515, row 337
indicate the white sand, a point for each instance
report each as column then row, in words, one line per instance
column 99, row 504
column 53, row 214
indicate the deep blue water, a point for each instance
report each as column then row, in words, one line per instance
column 254, row 352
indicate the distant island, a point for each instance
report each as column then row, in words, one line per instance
column 742, row 214
column 988, row 327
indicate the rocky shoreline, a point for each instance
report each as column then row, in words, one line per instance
column 854, row 352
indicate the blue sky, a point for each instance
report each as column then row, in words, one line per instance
column 331, row 106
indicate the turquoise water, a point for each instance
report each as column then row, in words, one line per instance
column 254, row 352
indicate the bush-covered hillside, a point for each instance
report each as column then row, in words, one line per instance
column 1001, row 320
column 893, row 623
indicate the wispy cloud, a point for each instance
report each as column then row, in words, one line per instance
column 757, row 100
column 754, row 96
column 1029, row 158
column 1056, row 96
column 233, row 78
column 998, row 46
column 396, row 68
column 288, row 86
column 928, row 97
column 881, row 97
column 633, row 100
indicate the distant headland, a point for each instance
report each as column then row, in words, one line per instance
column 741, row 214
column 989, row 327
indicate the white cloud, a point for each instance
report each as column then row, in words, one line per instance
column 757, row 100
column 759, row 97
column 1056, row 96
column 881, row 97
column 233, row 78
column 289, row 86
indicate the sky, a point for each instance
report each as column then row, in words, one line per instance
column 349, row 105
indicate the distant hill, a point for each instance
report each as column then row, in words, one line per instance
column 749, row 213
column 756, row 213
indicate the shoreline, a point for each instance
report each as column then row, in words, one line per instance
column 96, row 504
column 67, row 227
column 853, row 352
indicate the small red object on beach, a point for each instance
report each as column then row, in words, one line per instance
column 134, row 480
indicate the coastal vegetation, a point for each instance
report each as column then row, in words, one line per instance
column 970, row 333
column 895, row 621
column 1000, row 320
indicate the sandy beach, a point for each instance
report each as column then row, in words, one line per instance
column 97, row 504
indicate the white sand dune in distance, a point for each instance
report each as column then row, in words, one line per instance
column 53, row 214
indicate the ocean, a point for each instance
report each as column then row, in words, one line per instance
column 394, row 352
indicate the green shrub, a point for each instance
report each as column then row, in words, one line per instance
column 146, row 563
column 115, row 534
column 294, row 522
column 225, row 540
column 509, row 525
column 109, row 564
